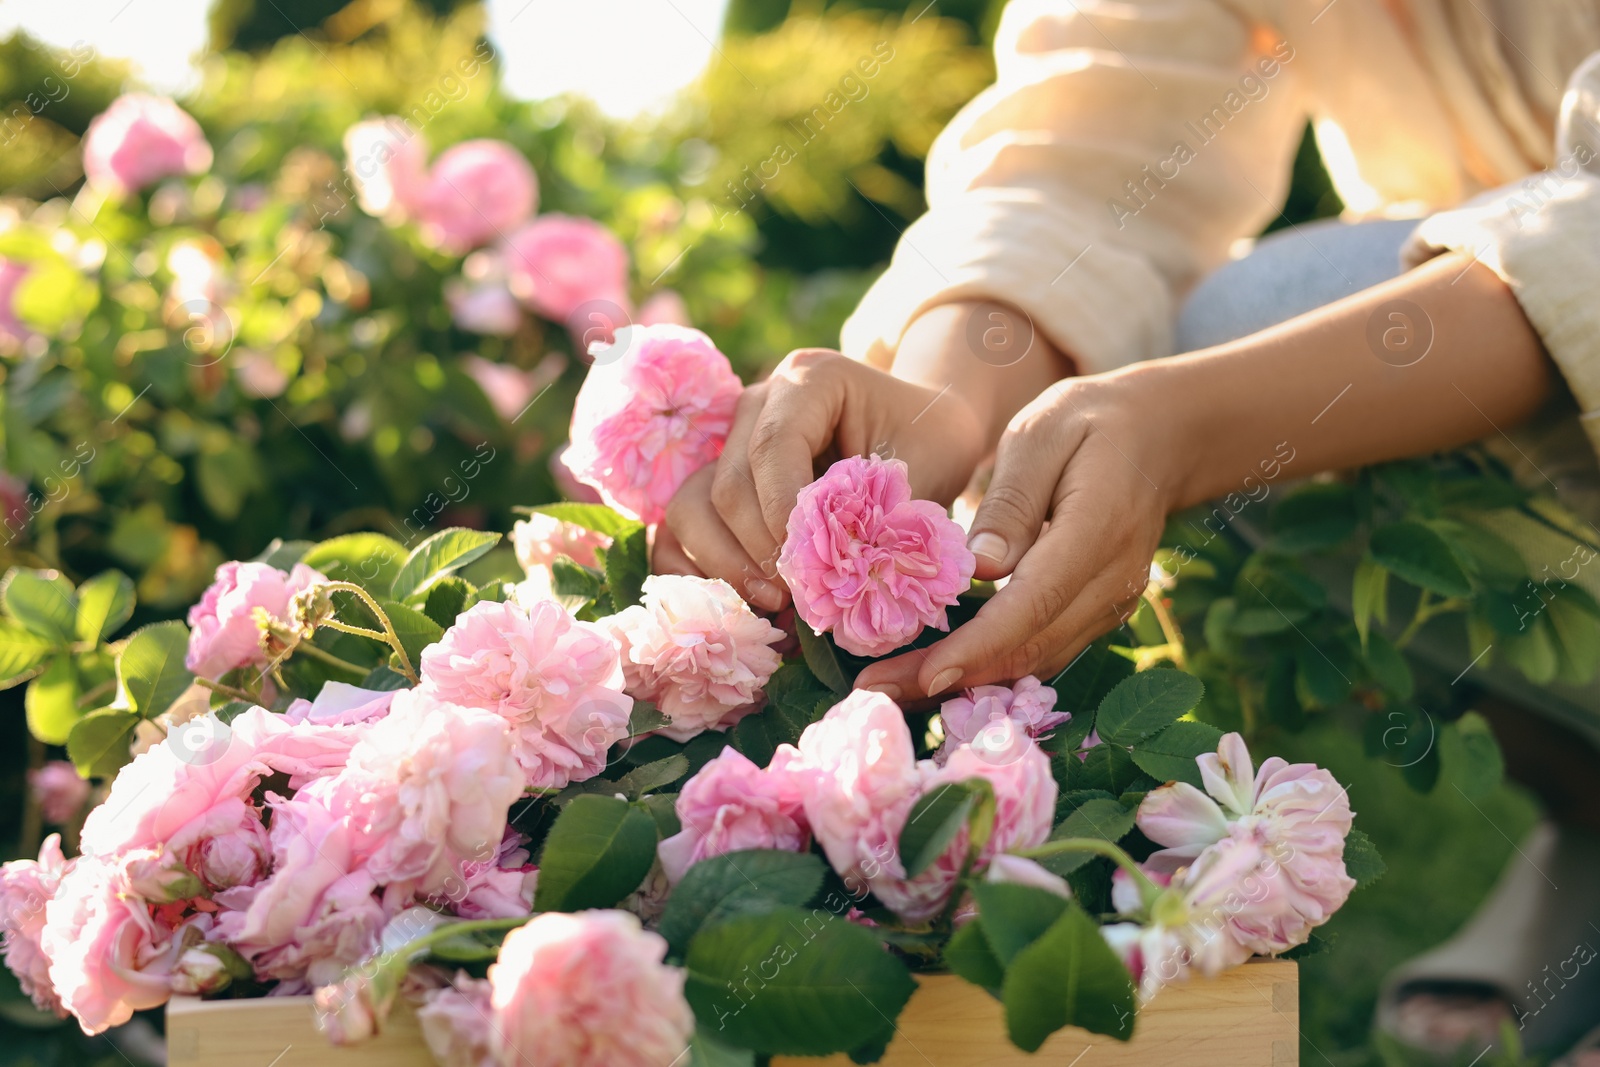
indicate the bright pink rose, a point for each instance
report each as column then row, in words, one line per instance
column 60, row 791
column 868, row 562
column 224, row 633
column 558, row 263
column 667, row 307
column 695, row 650
column 316, row 914
column 108, row 956
column 587, row 990
column 387, row 160
column 1028, row 703
column 731, row 805
column 475, row 191
column 11, row 275
column 141, row 139
column 655, row 407
column 557, row 681
column 429, row 787
column 455, row 1023
column 26, row 886
column 340, row 704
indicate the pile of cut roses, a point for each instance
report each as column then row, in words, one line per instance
column 579, row 814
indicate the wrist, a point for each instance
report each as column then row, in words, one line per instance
column 1151, row 415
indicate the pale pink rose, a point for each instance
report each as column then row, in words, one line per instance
column 258, row 373
column 455, row 1022
column 158, row 876
column 387, row 160
column 559, row 262
column 485, row 307
column 340, row 704
column 59, row 790
column 668, row 307
column 508, row 389
column 109, row 957
column 1029, row 703
column 1024, row 788
column 1016, row 870
column 655, row 407
column 224, row 633
column 11, row 275
column 474, row 192
column 731, row 805
column 26, row 886
column 567, row 483
column 587, row 990
column 499, row 888
column 539, row 540
column 695, row 650
column 866, row 561
column 429, row 787
column 141, row 139
column 557, row 681
column 316, row 914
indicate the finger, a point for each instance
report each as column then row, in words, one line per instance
column 1029, row 462
column 710, row 545
column 733, row 493
column 805, row 396
column 667, row 555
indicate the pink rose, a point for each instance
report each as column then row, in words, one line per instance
column 1028, row 703
column 557, row 681
column 501, row 887
column 224, row 633
column 387, row 160
column 1024, row 788
column 109, row 957
column 539, row 540
column 475, row 191
column 59, row 790
column 11, row 327
column 587, row 990
column 455, row 1023
column 141, row 139
column 695, row 650
column 340, row 704
column 655, row 407
column 667, row 307
column 567, row 483
column 1016, row 870
column 429, row 787
column 558, row 263
column 26, row 886
column 868, row 562
column 731, row 805
column 483, row 306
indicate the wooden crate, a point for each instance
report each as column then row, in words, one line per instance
column 1249, row 1017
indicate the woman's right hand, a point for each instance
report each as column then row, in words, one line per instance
column 728, row 520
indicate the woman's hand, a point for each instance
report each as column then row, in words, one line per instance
column 1074, row 513
column 728, row 520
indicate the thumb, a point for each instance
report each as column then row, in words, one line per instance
column 1014, row 506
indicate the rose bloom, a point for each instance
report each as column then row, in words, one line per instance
column 868, row 562
column 559, row 262
column 387, row 160
column 667, row 306
column 223, row 633
column 501, row 887
column 587, row 990
column 655, row 407
column 695, row 650
column 483, row 306
column 567, row 483
column 60, row 791
column 340, row 704
column 454, row 1021
column 731, row 805
column 1029, row 703
column 557, row 681
column 141, row 139
column 26, row 886
column 474, row 191
column 11, row 275
column 539, row 540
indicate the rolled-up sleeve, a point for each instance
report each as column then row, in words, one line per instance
column 1122, row 149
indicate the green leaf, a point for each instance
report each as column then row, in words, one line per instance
column 598, row 851
column 1494, row 560
column 1389, row 668
column 1169, row 756
column 369, row 560
column 1420, row 556
column 1369, row 595
column 1469, row 754
column 735, row 883
column 575, row 582
column 227, row 471
column 1108, row 767
column 150, row 670
column 284, row 554
column 832, row 987
column 645, row 718
column 934, row 822
column 52, row 702
column 1317, row 516
column 105, row 602
column 596, row 517
column 1106, row 820
column 1068, row 977
column 1361, row 859
column 968, row 955
column 821, row 658
column 444, row 552
column 1148, row 702
column 468, row 947
column 627, row 566
column 22, row 653
column 43, row 602
column 1327, row 682
column 707, row 1051
column 99, row 743
column 1271, row 596
column 652, row 776
column 414, row 629
column 447, row 598
column 1014, row 915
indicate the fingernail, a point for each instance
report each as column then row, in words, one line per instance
column 989, row 545
column 887, row 689
column 945, row 679
column 765, row 593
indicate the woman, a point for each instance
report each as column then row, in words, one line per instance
column 1076, row 210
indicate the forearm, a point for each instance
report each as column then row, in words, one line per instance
column 1343, row 386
